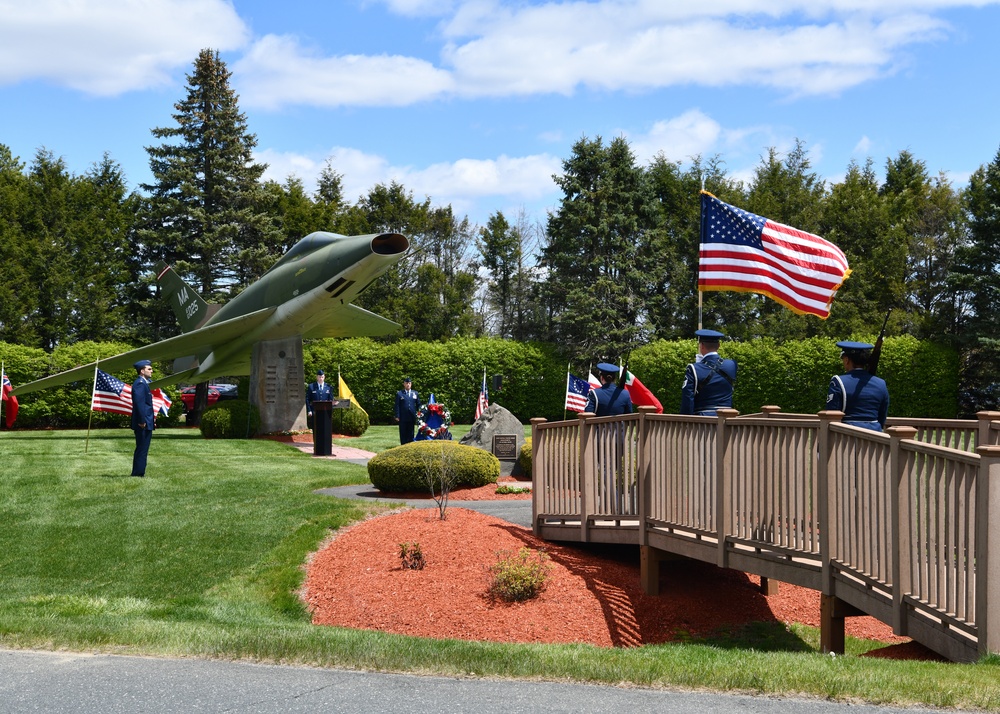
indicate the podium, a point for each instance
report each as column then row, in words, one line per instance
column 322, row 428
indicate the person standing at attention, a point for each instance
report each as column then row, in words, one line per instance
column 143, row 416
column 609, row 399
column 318, row 391
column 405, row 411
column 709, row 380
column 862, row 396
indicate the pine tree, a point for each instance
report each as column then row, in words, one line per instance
column 597, row 283
column 205, row 209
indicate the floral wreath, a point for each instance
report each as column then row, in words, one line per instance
column 434, row 408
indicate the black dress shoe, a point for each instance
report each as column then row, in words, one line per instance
column 139, row 475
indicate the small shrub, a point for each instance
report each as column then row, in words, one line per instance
column 517, row 577
column 404, row 468
column 505, row 488
column 411, row 557
column 524, row 457
column 231, row 419
column 351, row 422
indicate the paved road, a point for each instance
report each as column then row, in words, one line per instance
column 516, row 512
column 82, row 683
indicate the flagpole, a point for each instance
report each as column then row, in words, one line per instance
column 90, row 416
column 565, row 412
column 699, row 308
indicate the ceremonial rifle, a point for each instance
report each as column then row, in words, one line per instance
column 877, row 351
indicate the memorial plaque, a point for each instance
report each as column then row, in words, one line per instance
column 340, row 404
column 505, row 446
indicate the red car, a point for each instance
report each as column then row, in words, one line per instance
column 187, row 396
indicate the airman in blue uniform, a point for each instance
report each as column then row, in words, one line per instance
column 709, row 380
column 616, row 490
column 609, row 399
column 318, row 391
column 143, row 417
column 862, row 396
column 405, row 410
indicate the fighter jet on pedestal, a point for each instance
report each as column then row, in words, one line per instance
column 306, row 294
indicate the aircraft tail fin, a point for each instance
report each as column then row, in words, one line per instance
column 191, row 309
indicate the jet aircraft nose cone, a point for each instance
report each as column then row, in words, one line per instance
column 390, row 244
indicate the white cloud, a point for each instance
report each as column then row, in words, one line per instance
column 863, row 148
column 107, row 47
column 459, row 183
column 278, row 71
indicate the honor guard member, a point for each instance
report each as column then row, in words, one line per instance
column 318, row 391
column 405, row 411
column 143, row 417
column 862, row 396
column 708, row 382
column 609, row 399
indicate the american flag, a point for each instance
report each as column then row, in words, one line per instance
column 111, row 394
column 576, row 393
column 744, row 252
column 484, row 399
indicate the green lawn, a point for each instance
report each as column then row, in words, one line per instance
column 202, row 558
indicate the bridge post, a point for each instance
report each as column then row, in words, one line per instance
column 987, row 543
column 724, row 486
column 536, row 468
column 984, row 437
column 586, row 472
column 770, row 410
column 899, row 508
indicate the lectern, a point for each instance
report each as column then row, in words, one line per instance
column 322, row 428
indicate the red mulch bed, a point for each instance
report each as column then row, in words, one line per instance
column 592, row 596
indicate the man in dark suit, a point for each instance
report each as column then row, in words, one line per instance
column 143, row 416
column 405, row 410
column 708, row 382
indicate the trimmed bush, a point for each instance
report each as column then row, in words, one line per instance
column 404, row 468
column 231, row 419
column 517, row 577
column 524, row 458
column 351, row 422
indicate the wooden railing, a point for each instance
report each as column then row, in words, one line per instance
column 894, row 525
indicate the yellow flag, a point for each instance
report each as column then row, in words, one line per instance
column 344, row 392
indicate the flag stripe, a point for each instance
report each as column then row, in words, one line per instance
column 744, row 252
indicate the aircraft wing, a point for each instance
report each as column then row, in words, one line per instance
column 202, row 340
column 348, row 321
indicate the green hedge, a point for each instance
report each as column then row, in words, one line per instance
column 403, row 468
column 350, row 422
column 922, row 376
column 231, row 419
column 524, row 458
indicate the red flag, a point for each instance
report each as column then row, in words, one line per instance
column 11, row 400
column 744, row 252
column 641, row 396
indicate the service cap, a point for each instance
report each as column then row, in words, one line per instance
column 320, row 373
column 855, row 350
column 407, row 379
column 607, row 367
column 142, row 363
column 709, row 335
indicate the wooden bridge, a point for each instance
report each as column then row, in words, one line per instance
column 895, row 525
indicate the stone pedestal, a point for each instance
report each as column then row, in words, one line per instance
column 277, row 385
column 495, row 422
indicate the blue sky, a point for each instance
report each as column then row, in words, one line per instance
column 477, row 103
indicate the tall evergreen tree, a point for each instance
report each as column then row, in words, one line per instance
column 596, row 283
column 17, row 303
column 204, row 214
